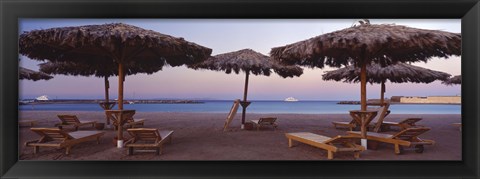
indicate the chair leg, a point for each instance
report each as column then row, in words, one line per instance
column 290, row 143
column 157, row 152
column 160, row 150
column 98, row 140
column 356, row 154
column 330, row 155
column 35, row 149
column 67, row 150
column 130, row 150
column 397, row 149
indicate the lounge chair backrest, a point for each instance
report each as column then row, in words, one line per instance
column 145, row 134
column 52, row 134
column 267, row 120
column 410, row 121
column 68, row 119
column 112, row 115
column 410, row 133
column 381, row 114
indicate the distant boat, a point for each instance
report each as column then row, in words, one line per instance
column 291, row 99
column 42, row 98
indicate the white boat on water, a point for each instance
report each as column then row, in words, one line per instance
column 42, row 98
column 291, row 99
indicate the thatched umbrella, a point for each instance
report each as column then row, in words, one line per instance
column 115, row 44
column 364, row 44
column 98, row 70
column 27, row 74
column 397, row 73
column 248, row 61
column 456, row 80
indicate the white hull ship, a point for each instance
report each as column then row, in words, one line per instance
column 291, row 99
column 42, row 98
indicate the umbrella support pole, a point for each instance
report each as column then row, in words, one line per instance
column 363, row 87
column 364, row 143
column 382, row 93
column 119, row 144
column 120, row 85
column 244, row 103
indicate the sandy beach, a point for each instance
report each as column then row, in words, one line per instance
column 200, row 136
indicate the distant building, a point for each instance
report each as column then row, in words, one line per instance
column 395, row 99
column 431, row 99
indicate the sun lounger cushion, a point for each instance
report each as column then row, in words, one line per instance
column 335, row 144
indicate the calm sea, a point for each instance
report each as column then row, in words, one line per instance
column 301, row 107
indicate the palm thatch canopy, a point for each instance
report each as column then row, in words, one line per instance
column 367, row 43
column 247, row 60
column 397, row 73
column 110, row 44
column 27, row 74
column 104, row 43
column 384, row 44
column 457, row 80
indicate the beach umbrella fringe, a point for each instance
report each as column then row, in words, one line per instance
column 383, row 43
column 397, row 73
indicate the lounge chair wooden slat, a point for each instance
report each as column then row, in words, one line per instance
column 64, row 139
column 73, row 120
column 408, row 138
column 376, row 122
column 30, row 123
column 335, row 144
column 406, row 123
column 130, row 121
column 457, row 124
column 264, row 122
column 151, row 138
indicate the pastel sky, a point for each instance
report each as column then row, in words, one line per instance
column 227, row 35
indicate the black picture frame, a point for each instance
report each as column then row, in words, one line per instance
column 467, row 10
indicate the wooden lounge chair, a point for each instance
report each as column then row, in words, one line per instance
column 335, row 144
column 382, row 112
column 404, row 124
column 459, row 125
column 30, row 123
column 147, row 138
column 265, row 122
column 131, row 122
column 54, row 137
column 405, row 138
column 74, row 121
